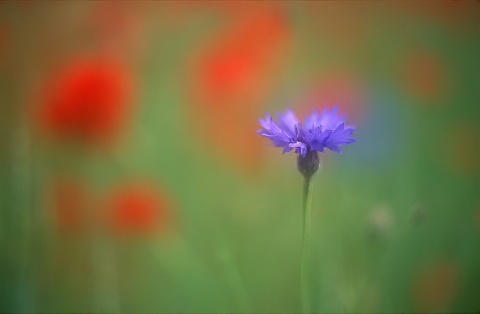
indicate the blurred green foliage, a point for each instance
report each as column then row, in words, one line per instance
column 396, row 218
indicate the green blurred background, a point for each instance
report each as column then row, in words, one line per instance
column 132, row 179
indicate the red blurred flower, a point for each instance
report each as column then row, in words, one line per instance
column 338, row 88
column 68, row 200
column 5, row 42
column 138, row 209
column 118, row 27
column 451, row 14
column 239, row 61
column 87, row 100
column 462, row 158
column 424, row 76
column 338, row 23
column 477, row 217
column 435, row 287
column 232, row 78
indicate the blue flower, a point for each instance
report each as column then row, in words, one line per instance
column 318, row 131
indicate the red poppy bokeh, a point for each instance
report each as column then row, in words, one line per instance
column 232, row 77
column 139, row 209
column 341, row 24
column 119, row 28
column 424, row 76
column 450, row 14
column 435, row 287
column 340, row 89
column 69, row 202
column 5, row 43
column 463, row 158
column 87, row 100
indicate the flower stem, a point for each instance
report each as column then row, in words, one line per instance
column 305, row 257
column 235, row 280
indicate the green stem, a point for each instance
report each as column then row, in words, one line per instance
column 305, row 259
column 234, row 280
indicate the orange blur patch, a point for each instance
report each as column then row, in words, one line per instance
column 341, row 23
column 119, row 27
column 232, row 78
column 69, row 203
column 112, row 19
column 5, row 42
column 233, row 64
column 435, row 287
column 451, row 14
column 464, row 152
column 139, row 209
column 477, row 220
column 87, row 100
column 423, row 75
column 337, row 89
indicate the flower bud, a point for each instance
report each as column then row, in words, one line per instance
column 309, row 164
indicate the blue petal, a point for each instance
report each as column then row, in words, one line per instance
column 339, row 137
column 330, row 119
column 311, row 121
column 288, row 122
column 300, row 148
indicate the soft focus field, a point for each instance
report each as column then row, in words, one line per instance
column 132, row 179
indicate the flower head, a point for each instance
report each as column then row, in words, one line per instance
column 88, row 99
column 318, row 131
column 139, row 208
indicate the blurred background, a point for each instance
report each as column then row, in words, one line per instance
column 132, row 179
